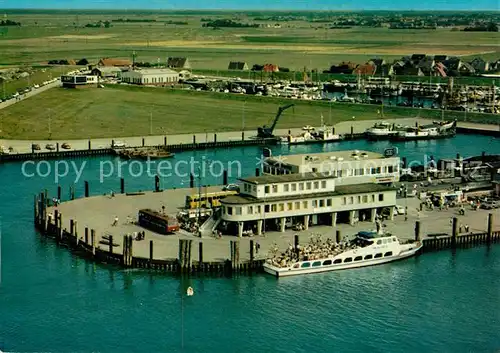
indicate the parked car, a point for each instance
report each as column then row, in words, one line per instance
column 231, row 187
column 66, row 146
column 489, row 205
column 50, row 147
column 399, row 210
column 36, row 147
column 118, row 144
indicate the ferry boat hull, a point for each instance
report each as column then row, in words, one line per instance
column 409, row 250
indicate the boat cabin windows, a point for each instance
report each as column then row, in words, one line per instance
column 301, row 186
column 337, row 261
column 381, row 197
column 267, row 189
column 348, row 259
column 327, row 262
column 316, row 185
column 388, row 253
column 379, row 242
column 308, row 185
column 323, row 184
column 329, row 202
column 294, row 187
column 286, row 187
column 390, row 169
column 306, row 264
column 379, row 255
column 358, row 258
column 369, row 257
column 316, row 263
column 394, row 239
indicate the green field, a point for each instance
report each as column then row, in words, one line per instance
column 127, row 110
column 298, row 44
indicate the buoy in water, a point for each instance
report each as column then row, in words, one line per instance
column 190, row 291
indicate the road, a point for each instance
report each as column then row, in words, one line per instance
column 32, row 93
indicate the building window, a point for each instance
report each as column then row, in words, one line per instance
column 259, row 209
column 314, row 170
column 316, row 185
column 305, row 204
column 286, row 187
column 266, row 208
column 297, row 205
column 379, row 170
column 388, row 253
column 390, row 169
column 238, row 211
column 294, row 187
column 323, row 184
column 348, row 259
column 289, row 206
column 337, row 261
column 378, row 255
column 321, row 203
column 282, row 207
column 344, row 201
column 315, row 203
column 381, row 197
column 351, row 200
column 250, row 210
column 369, row 257
column 328, row 202
column 358, row 258
column 255, row 188
column 273, row 207
column 373, row 198
column 308, row 185
column 361, row 171
column 267, row 189
column 327, row 262
column 275, row 188
column 372, row 170
column 229, row 210
column 301, row 186
column 359, row 199
column 339, row 173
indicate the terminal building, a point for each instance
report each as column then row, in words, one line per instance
column 305, row 190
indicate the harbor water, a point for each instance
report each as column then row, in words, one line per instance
column 53, row 301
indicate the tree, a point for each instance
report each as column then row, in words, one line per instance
column 82, row 62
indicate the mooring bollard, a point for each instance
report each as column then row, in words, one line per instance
column 122, row 185
column 86, row 189
column 417, row 231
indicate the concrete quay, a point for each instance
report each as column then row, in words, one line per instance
column 98, row 213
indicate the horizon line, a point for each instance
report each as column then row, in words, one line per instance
column 242, row 10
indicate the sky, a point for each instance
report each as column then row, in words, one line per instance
column 484, row 5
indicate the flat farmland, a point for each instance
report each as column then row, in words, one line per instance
column 297, row 44
column 131, row 111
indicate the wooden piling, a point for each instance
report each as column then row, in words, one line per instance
column 59, row 192
column 417, row 231
column 338, row 236
column 454, row 232
column 243, row 136
column 237, row 255
column 164, row 140
column 157, row 183
column 110, row 244
column 224, row 177
column 92, row 238
column 86, row 235
column 194, row 139
column 125, row 251
column 296, row 244
column 200, row 253
column 71, row 227
column 143, row 142
column 150, row 253
column 189, row 245
column 122, row 185
column 75, row 229
column 90, row 145
column 490, row 228
column 86, row 188
column 215, row 138
column 252, row 248
column 56, row 225
column 191, row 180
column 72, row 192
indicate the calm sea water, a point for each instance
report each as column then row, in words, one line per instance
column 53, row 301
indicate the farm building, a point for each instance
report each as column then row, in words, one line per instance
column 271, row 68
column 106, row 71
column 78, row 81
column 178, row 63
column 156, row 77
column 114, row 62
column 238, row 65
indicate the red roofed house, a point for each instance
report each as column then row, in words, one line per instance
column 271, row 68
column 439, row 69
column 366, row 69
column 114, row 62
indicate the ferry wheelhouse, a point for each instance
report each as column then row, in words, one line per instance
column 367, row 249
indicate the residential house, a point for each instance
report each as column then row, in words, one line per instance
column 154, row 77
column 343, row 68
column 416, row 58
column 238, row 65
column 408, row 71
column 426, row 64
column 480, row 65
column 377, row 62
column 440, row 58
column 466, row 69
column 114, row 62
column 178, row 63
column 366, row 69
column 439, row 70
column 106, row 72
column 384, row 70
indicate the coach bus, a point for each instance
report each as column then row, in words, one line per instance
column 157, row 222
column 211, row 199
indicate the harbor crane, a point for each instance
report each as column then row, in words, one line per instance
column 267, row 132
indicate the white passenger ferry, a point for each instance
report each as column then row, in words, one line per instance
column 367, row 249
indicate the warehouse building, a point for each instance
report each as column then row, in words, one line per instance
column 78, row 81
column 150, row 77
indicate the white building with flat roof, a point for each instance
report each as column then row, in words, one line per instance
column 150, row 77
column 348, row 167
column 284, row 200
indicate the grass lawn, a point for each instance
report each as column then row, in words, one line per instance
column 127, row 110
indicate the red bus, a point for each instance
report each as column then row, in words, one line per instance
column 157, row 222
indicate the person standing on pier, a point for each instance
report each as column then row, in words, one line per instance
column 115, row 222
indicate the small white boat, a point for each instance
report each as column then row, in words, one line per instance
column 381, row 130
column 367, row 249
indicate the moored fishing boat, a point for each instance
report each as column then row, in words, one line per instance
column 325, row 133
column 382, row 130
column 367, row 249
